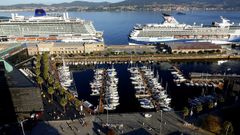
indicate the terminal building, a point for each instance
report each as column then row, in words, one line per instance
column 194, row 47
column 59, row 48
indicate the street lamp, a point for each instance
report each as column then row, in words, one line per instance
column 160, row 123
column 21, row 123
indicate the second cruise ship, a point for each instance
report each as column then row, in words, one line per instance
column 170, row 30
column 48, row 27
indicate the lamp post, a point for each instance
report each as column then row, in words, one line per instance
column 21, row 123
column 160, row 132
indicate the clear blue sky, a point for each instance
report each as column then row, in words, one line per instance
column 11, row 2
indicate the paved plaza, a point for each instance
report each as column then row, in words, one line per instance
column 126, row 124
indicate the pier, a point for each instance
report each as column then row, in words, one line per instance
column 209, row 77
column 144, row 58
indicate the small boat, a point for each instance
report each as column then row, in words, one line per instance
column 181, row 13
column 109, row 107
column 95, row 93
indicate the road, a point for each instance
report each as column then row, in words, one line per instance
column 171, row 123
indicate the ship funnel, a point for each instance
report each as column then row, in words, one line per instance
column 13, row 16
column 67, row 15
column 169, row 19
column 40, row 12
column 64, row 16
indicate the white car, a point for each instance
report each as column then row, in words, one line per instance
column 147, row 115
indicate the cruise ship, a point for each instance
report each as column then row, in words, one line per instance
column 170, row 30
column 48, row 27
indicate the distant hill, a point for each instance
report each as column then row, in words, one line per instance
column 81, row 3
column 65, row 4
column 130, row 5
column 150, row 2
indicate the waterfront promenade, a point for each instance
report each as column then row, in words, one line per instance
column 127, row 123
column 142, row 58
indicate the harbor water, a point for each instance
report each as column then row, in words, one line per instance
column 117, row 25
column 179, row 95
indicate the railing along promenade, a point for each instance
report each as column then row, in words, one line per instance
column 143, row 58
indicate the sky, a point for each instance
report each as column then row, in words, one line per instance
column 11, row 2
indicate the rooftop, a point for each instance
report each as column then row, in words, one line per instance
column 17, row 79
column 25, row 95
column 194, row 45
column 60, row 44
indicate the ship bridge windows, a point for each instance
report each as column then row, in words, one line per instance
column 31, row 35
column 53, row 35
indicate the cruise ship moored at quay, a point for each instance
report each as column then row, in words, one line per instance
column 48, row 27
column 170, row 30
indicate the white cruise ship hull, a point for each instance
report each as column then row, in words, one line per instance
column 172, row 31
column 149, row 40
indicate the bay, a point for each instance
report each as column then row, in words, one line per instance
column 117, row 25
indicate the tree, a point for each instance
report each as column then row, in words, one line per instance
column 37, row 72
column 70, row 96
column 185, row 112
column 212, row 124
column 38, row 58
column 77, row 104
column 45, row 56
column 63, row 103
column 51, row 92
column 50, row 80
column 221, row 100
column 57, row 86
column 199, row 108
column 227, row 128
column 38, row 65
column 39, row 81
column 210, row 105
column 62, row 91
column 45, row 74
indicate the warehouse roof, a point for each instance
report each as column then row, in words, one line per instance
column 193, row 45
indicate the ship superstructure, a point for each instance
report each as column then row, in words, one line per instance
column 48, row 27
column 170, row 30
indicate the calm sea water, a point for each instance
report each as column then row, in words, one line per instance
column 179, row 95
column 117, row 25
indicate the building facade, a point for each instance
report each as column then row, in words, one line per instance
column 64, row 48
column 195, row 47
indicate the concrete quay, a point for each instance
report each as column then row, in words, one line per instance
column 145, row 58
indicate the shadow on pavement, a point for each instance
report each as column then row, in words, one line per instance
column 42, row 128
column 140, row 131
column 97, row 129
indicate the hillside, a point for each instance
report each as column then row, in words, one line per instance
column 133, row 5
column 192, row 2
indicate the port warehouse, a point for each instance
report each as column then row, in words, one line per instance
column 194, row 47
column 81, row 48
column 18, row 95
column 60, row 48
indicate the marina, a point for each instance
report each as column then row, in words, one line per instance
column 142, row 85
column 66, row 79
column 155, row 87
